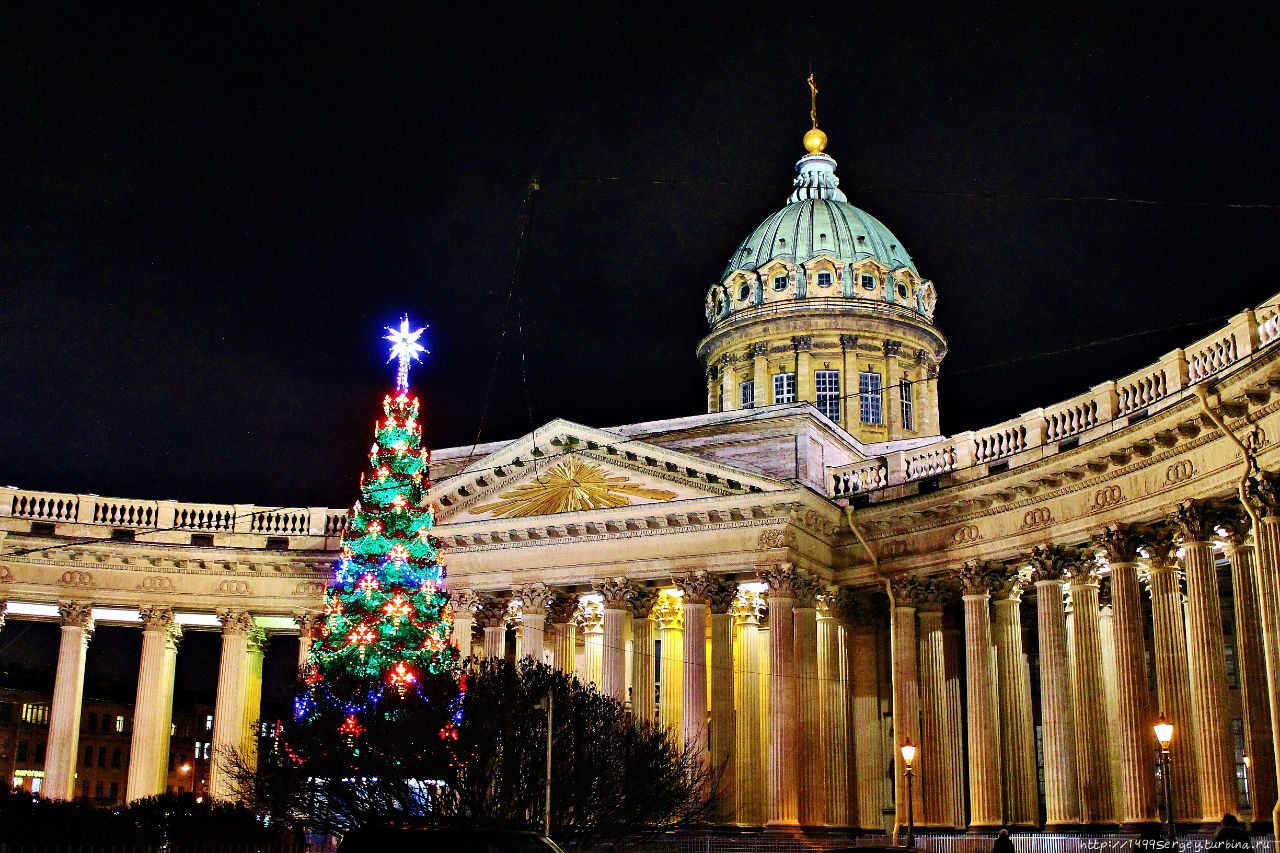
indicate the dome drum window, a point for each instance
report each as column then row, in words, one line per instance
column 903, row 290
column 780, row 282
column 824, row 279
column 744, row 292
column 868, row 281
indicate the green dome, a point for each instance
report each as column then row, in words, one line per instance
column 818, row 220
column 811, row 227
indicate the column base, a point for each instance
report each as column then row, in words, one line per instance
column 1065, row 828
column 985, row 828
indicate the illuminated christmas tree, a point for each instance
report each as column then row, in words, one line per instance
column 386, row 624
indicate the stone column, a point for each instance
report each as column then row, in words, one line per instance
column 591, row 623
column 533, row 619
column 749, row 755
column 953, row 647
column 1017, row 723
column 613, row 666
column 722, row 595
column 1207, row 666
column 729, row 383
column 463, row 603
column 643, row 676
column 833, row 713
column 812, row 807
column 760, row 374
column 1172, row 684
column 1252, row 669
column 63, row 748
column 985, row 804
column 1262, row 499
column 307, row 621
column 1093, row 754
column 783, row 764
column 1107, row 630
column 934, row 755
column 492, row 616
column 239, row 679
column 669, row 615
column 906, row 696
column 564, row 632
column 1133, row 719
column 861, row 619
column 804, row 367
column 1062, row 793
column 153, row 707
column 696, row 589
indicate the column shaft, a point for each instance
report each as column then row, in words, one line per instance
column 864, row 717
column 783, row 775
column 812, row 807
column 749, row 752
column 63, row 746
column 833, row 717
column 1093, row 754
column 1267, row 580
column 723, row 729
column 153, row 707
column 1062, row 799
column 953, row 645
column 906, row 708
column 613, row 677
column 1252, row 669
column 934, row 758
column 1017, row 727
column 984, row 747
column 643, row 699
column 1133, row 720
column 670, row 666
column 1207, row 665
column 694, row 702
column 1174, row 689
column 236, row 706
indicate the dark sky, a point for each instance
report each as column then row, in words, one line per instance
column 205, row 219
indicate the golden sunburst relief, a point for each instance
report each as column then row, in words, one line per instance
column 570, row 486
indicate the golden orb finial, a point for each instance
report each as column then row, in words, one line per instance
column 815, row 140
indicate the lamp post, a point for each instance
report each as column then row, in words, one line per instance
column 549, row 703
column 908, row 756
column 1164, row 735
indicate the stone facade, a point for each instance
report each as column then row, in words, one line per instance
column 793, row 593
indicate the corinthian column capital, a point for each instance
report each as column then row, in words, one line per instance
column 1119, row 542
column 978, row 578
column 782, row 580
column 75, row 614
column 696, row 586
column 235, row 621
column 1262, row 493
column 615, row 592
column 1052, row 562
column 464, row 601
column 533, row 597
column 1193, row 521
column 156, row 618
column 722, row 594
column 562, row 607
column 642, row 599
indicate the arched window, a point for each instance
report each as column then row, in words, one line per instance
column 902, row 289
column 744, row 292
column 824, row 279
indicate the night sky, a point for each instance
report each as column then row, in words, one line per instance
column 206, row 219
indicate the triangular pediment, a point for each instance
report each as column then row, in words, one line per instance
column 569, row 468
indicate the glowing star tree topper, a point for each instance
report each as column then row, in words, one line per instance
column 405, row 347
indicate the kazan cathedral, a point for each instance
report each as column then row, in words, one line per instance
column 807, row 577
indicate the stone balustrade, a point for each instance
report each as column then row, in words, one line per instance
column 173, row 522
column 1105, row 408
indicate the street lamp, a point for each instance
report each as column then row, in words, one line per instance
column 1164, row 735
column 548, row 703
column 908, row 756
column 185, row 769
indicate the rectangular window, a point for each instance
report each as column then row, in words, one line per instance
column 869, row 390
column 116, row 757
column 208, row 722
column 827, row 385
column 908, row 404
column 115, row 790
column 102, row 756
column 784, row 388
column 22, row 751
column 824, row 279
column 36, row 714
column 88, row 756
column 748, row 394
column 119, row 723
column 868, row 282
column 93, row 722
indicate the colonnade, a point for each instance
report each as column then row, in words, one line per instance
column 238, row 702
column 789, row 686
